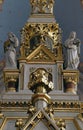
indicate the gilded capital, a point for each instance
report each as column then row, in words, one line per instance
column 10, row 79
column 71, row 76
column 71, row 79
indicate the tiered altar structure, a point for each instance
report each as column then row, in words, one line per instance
column 39, row 93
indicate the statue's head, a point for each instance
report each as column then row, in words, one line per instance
column 72, row 35
column 10, row 35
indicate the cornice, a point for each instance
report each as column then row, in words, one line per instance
column 57, row 105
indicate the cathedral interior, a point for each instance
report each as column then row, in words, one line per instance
column 41, row 65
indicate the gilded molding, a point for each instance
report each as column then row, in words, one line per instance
column 57, row 105
column 41, row 96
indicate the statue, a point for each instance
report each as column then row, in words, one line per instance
column 10, row 50
column 72, row 45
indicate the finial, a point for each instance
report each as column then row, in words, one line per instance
column 42, row 6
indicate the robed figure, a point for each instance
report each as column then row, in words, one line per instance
column 72, row 45
column 10, row 51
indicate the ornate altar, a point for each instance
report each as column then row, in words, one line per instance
column 40, row 93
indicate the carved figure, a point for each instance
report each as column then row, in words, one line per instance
column 10, row 50
column 72, row 45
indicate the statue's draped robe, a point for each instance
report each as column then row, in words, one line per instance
column 72, row 55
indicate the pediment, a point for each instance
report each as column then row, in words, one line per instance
column 41, row 55
column 40, row 121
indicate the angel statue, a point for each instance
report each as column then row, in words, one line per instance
column 72, row 45
column 10, row 50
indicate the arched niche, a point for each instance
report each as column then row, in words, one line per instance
column 36, row 40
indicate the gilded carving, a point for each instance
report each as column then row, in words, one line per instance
column 40, row 115
column 61, row 124
column 69, row 105
column 31, row 109
column 50, row 110
column 31, row 30
column 41, row 79
column 39, row 6
column 42, row 56
column 19, row 123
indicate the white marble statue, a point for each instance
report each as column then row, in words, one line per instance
column 72, row 45
column 10, row 51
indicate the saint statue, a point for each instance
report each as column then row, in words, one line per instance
column 72, row 45
column 10, row 50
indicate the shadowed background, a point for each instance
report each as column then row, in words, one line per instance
column 68, row 13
